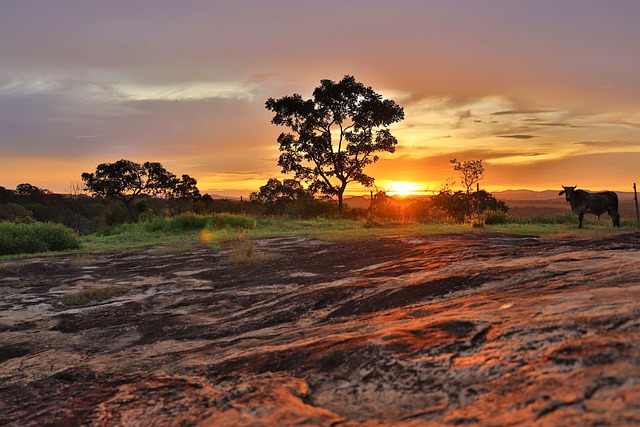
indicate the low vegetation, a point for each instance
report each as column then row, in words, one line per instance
column 188, row 230
column 23, row 238
column 244, row 250
column 91, row 295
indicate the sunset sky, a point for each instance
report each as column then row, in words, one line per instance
column 545, row 92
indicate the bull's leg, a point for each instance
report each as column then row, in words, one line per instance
column 580, row 217
column 615, row 217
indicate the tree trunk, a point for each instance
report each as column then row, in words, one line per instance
column 133, row 215
column 340, row 194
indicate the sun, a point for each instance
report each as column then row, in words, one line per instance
column 403, row 188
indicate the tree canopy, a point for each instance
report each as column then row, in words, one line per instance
column 334, row 135
column 125, row 180
column 275, row 191
column 289, row 197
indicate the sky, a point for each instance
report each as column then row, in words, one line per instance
column 546, row 92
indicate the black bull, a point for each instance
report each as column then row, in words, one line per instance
column 583, row 202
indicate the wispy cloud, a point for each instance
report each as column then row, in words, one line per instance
column 518, row 136
column 519, row 112
column 186, row 91
column 562, row 125
column 609, row 144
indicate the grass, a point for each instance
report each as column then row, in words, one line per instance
column 137, row 239
column 187, row 231
column 244, row 251
column 88, row 296
column 83, row 260
column 184, row 230
column 336, row 230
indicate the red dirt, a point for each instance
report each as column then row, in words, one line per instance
column 481, row 329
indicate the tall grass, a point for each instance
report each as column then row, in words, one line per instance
column 181, row 223
column 38, row 237
column 229, row 221
column 183, row 230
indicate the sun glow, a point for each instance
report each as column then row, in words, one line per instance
column 403, row 188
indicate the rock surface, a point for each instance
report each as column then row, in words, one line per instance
column 475, row 330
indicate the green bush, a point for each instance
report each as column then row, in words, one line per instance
column 111, row 230
column 220, row 221
column 188, row 222
column 181, row 223
column 493, row 217
column 38, row 237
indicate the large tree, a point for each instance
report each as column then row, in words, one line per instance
column 335, row 134
column 125, row 180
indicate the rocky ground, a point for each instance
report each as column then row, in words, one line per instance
column 475, row 330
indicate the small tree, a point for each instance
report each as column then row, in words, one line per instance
column 354, row 114
column 125, row 180
column 471, row 172
column 282, row 197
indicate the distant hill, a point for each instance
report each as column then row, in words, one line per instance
column 357, row 202
column 544, row 195
column 525, row 195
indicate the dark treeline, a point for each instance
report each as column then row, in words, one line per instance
column 87, row 214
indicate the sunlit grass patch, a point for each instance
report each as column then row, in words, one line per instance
column 254, row 258
column 88, row 296
column 136, row 239
column 172, row 249
column 572, row 234
column 243, row 251
column 83, row 260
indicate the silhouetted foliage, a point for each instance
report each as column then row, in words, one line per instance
column 28, row 190
column 355, row 113
column 29, row 202
column 385, row 208
column 87, row 214
column 289, row 197
column 275, row 191
column 186, row 188
column 125, row 180
column 14, row 212
column 459, row 204
column 471, row 172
